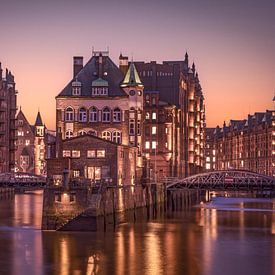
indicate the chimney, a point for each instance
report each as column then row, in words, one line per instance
column 77, row 64
column 100, row 65
column 1, row 71
column 123, row 63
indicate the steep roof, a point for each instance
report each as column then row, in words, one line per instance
column 131, row 78
column 38, row 121
column 111, row 75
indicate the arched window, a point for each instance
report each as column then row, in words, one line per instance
column 68, row 134
column 93, row 114
column 82, row 115
column 106, row 135
column 93, row 133
column 69, row 114
column 82, row 133
column 106, row 115
column 117, row 115
column 116, row 137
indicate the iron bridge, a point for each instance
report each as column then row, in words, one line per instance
column 22, row 180
column 225, row 180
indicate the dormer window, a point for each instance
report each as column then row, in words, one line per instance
column 100, row 87
column 76, row 88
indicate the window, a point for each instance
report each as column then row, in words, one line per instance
column 20, row 133
column 131, row 127
column 153, row 101
column 76, row 90
column 106, row 115
column 117, row 137
column 147, row 131
column 82, row 115
column 147, row 145
column 208, row 159
column 154, row 115
column 106, row 135
column 93, row 133
column 207, row 166
column 93, row 114
column 117, row 115
column 68, row 134
column 138, row 128
column 82, row 133
column 94, row 173
column 24, row 161
column 75, row 153
column 27, row 142
column 154, row 130
column 166, row 130
column 69, row 114
column 100, row 153
column 154, row 145
column 20, row 122
column 66, row 153
column 91, row 154
column 147, row 115
column 76, row 173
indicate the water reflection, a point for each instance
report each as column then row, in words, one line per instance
column 204, row 240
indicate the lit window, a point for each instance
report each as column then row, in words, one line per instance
column 100, row 153
column 147, row 116
column 106, row 135
column 93, row 114
column 66, row 153
column 166, row 145
column 91, row 154
column 82, row 115
column 214, row 159
column 20, row 133
column 76, row 90
column 154, row 130
column 154, row 115
column 208, row 159
column 214, row 152
column 75, row 153
column 153, row 101
column 147, row 145
column 116, row 137
column 27, row 142
column 166, row 130
column 69, row 114
column 154, row 144
column 117, row 115
column 76, row 173
column 106, row 115
column 207, row 166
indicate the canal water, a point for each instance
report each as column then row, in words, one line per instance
column 227, row 236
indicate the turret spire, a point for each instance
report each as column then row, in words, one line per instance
column 131, row 77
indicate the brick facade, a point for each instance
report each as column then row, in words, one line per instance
column 7, row 121
column 245, row 144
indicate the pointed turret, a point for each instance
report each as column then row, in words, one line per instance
column 38, row 121
column 193, row 67
column 132, row 78
column 186, row 58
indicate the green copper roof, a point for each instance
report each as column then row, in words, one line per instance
column 100, row 83
column 131, row 77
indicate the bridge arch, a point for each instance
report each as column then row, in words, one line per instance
column 225, row 180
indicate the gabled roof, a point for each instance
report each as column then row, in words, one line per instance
column 90, row 72
column 132, row 78
column 38, row 121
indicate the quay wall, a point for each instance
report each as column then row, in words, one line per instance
column 83, row 208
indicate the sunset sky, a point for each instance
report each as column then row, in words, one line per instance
column 232, row 43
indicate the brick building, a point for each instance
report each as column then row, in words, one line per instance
column 157, row 108
column 90, row 157
column 245, row 144
column 34, row 145
column 177, row 85
column 102, row 101
column 7, row 121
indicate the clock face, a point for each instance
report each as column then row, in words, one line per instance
column 140, row 93
column 132, row 92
